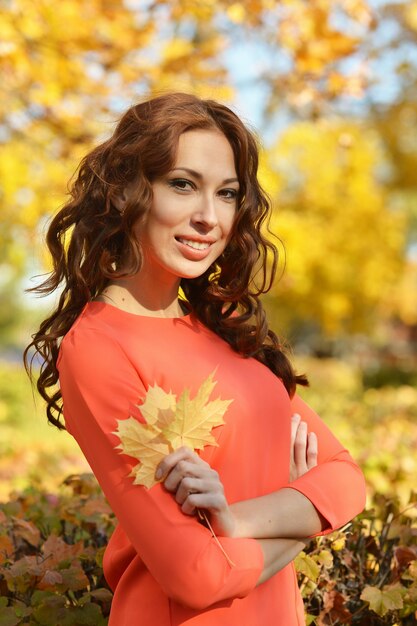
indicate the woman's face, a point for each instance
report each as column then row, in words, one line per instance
column 193, row 209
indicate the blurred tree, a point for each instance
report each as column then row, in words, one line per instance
column 344, row 243
column 397, row 129
column 69, row 68
column 11, row 313
column 66, row 70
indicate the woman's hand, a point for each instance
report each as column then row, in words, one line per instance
column 304, row 448
column 196, row 485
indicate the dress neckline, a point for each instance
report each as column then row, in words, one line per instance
column 114, row 310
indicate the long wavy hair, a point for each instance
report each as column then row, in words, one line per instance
column 92, row 242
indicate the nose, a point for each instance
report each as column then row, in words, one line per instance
column 205, row 214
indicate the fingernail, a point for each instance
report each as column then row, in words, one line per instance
column 296, row 416
column 158, row 473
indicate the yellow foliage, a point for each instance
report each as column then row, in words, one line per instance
column 177, row 49
column 202, row 10
column 68, row 67
column 376, row 425
column 306, row 30
column 411, row 14
column 344, row 244
column 402, row 296
column 236, row 12
column 56, row 63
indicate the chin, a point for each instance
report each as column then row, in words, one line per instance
column 190, row 275
column 193, row 272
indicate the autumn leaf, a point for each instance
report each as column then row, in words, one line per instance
column 325, row 558
column 334, row 608
column 141, row 442
column 6, row 548
column 156, row 400
column 304, row 564
column 170, row 423
column 383, row 600
column 193, row 420
column 26, row 530
column 50, row 579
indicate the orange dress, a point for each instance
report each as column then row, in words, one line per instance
column 165, row 567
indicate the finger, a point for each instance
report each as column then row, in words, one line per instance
column 180, row 471
column 188, row 485
column 169, row 462
column 207, row 484
column 212, row 501
column 197, row 478
column 312, row 450
column 295, row 421
column 300, row 449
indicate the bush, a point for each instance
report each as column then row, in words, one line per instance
column 365, row 574
column 386, row 375
column 51, row 549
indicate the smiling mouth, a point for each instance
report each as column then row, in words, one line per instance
column 197, row 245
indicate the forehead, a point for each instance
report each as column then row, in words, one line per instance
column 206, row 149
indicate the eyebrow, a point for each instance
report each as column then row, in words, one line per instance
column 199, row 176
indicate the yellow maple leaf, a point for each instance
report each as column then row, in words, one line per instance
column 193, row 420
column 156, row 400
column 169, row 424
column 141, row 442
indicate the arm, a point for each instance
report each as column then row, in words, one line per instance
column 195, row 485
column 278, row 553
column 319, row 497
column 99, row 386
column 316, row 502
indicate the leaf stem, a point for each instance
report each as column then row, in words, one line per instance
column 203, row 516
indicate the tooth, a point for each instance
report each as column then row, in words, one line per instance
column 198, row 245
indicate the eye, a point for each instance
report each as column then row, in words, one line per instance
column 181, row 184
column 229, row 194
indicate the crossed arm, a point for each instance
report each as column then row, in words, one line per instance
column 281, row 521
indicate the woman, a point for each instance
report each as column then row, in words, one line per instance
column 157, row 250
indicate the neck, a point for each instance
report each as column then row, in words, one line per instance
column 127, row 294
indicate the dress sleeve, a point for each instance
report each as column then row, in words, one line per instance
column 336, row 486
column 99, row 386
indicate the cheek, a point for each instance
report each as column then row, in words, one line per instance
column 165, row 216
column 160, row 223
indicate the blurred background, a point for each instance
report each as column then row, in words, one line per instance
column 330, row 88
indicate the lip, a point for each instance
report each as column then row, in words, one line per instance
column 192, row 254
column 197, row 238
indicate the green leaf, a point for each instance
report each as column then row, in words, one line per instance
column 307, row 566
column 8, row 617
column 324, row 558
column 49, row 615
column 104, row 596
column 88, row 615
column 40, row 597
column 73, row 578
column 381, row 601
column 11, row 616
column 99, row 556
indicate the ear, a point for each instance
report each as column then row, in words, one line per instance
column 120, row 199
